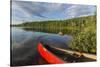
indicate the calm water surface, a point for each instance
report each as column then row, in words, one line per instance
column 24, row 45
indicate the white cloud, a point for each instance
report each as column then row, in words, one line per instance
column 30, row 11
column 80, row 10
column 18, row 12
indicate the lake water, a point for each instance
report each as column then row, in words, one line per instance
column 24, row 45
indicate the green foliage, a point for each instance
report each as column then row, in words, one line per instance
column 85, row 40
column 83, row 30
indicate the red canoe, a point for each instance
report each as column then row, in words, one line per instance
column 48, row 56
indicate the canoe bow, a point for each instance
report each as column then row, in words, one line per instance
column 48, row 56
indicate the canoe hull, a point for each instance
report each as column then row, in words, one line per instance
column 48, row 56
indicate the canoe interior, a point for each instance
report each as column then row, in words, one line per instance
column 68, row 57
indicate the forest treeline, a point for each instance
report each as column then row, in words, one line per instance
column 83, row 30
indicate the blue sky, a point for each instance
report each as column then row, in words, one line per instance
column 27, row 11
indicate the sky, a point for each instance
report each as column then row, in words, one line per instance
column 27, row 11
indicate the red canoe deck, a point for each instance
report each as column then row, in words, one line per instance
column 48, row 56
